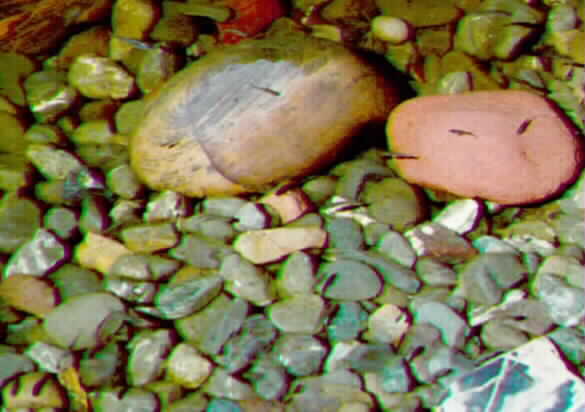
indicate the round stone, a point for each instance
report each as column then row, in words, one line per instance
column 248, row 115
column 510, row 147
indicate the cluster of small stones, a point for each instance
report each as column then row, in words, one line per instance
column 352, row 291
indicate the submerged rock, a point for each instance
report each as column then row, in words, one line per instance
column 510, row 147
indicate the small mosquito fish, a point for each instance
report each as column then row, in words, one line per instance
column 267, row 90
column 460, row 132
column 523, row 126
column 395, row 155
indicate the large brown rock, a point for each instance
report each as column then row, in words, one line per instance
column 246, row 116
column 510, row 147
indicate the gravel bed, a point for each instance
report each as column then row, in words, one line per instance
column 350, row 290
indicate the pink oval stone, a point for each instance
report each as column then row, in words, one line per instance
column 510, row 147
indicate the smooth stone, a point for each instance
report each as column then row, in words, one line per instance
column 437, row 241
column 220, row 140
column 255, row 337
column 393, row 273
column 268, row 245
column 19, row 219
column 120, row 399
column 452, row 325
column 84, row 321
column 101, row 368
column 387, row 324
column 344, row 233
column 247, row 281
column 298, row 314
column 394, row 246
column 349, row 321
column 510, row 147
column 460, row 216
column 149, row 237
column 566, row 304
column 212, row 326
column 200, row 251
column 29, row 294
column 350, row 280
column 12, row 365
column 187, row 367
column 222, row 384
column 148, row 350
column 99, row 252
column 296, row 275
column 395, row 202
column 72, row 280
column 268, row 377
column 39, row 256
column 179, row 299
column 435, row 273
column 301, row 355
column 484, row 278
column 166, row 205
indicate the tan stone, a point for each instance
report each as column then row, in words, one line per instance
column 263, row 246
column 99, row 252
column 29, row 294
column 246, row 116
column 510, row 147
column 290, row 204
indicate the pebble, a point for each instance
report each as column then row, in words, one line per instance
column 566, row 304
column 99, row 252
column 461, row 216
column 301, row 355
column 166, row 205
column 100, row 78
column 247, row 281
column 435, row 273
column 102, row 316
column 485, row 277
column 290, row 204
column 252, row 216
column 255, row 337
column 268, row 245
column 38, row 256
column 393, row 273
column 12, row 365
column 268, row 377
column 296, row 275
column 51, row 162
column 147, row 352
column 187, row 367
column 212, row 326
column 218, row 227
column 182, row 298
column 344, row 233
column 149, row 237
column 298, row 314
column 223, row 385
column 73, row 280
column 437, row 241
column 394, row 246
column 119, row 400
column 453, row 327
column 34, row 390
column 349, row 320
column 387, row 324
column 48, row 95
column 200, row 251
column 350, row 280
column 394, row 202
column 29, row 294
column 19, row 219
column 510, row 147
